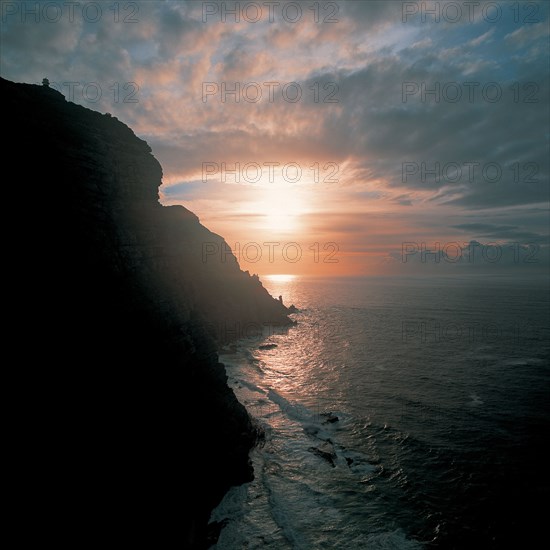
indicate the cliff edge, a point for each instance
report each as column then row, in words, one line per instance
column 112, row 288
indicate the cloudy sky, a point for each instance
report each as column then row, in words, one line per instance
column 339, row 130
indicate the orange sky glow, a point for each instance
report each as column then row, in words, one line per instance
column 342, row 153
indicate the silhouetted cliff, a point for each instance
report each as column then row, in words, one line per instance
column 113, row 291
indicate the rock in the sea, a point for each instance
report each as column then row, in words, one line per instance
column 267, row 346
column 330, row 418
column 326, row 452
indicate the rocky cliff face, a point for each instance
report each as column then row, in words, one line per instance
column 115, row 293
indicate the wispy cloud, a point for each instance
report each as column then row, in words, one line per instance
column 368, row 97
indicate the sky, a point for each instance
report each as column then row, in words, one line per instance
column 323, row 138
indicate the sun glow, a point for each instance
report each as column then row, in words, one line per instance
column 281, row 209
column 281, row 277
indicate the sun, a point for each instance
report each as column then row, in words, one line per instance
column 281, row 210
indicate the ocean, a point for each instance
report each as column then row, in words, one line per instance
column 398, row 414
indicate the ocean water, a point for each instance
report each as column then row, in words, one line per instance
column 398, row 414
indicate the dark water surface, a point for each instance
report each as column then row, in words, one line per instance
column 441, row 389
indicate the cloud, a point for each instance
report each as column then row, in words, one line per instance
column 378, row 96
column 482, row 38
column 403, row 200
column 528, row 34
column 503, row 233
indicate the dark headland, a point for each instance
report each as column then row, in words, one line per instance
column 134, row 422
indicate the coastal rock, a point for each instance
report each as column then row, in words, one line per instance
column 267, row 346
column 330, row 418
column 326, row 452
column 129, row 300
